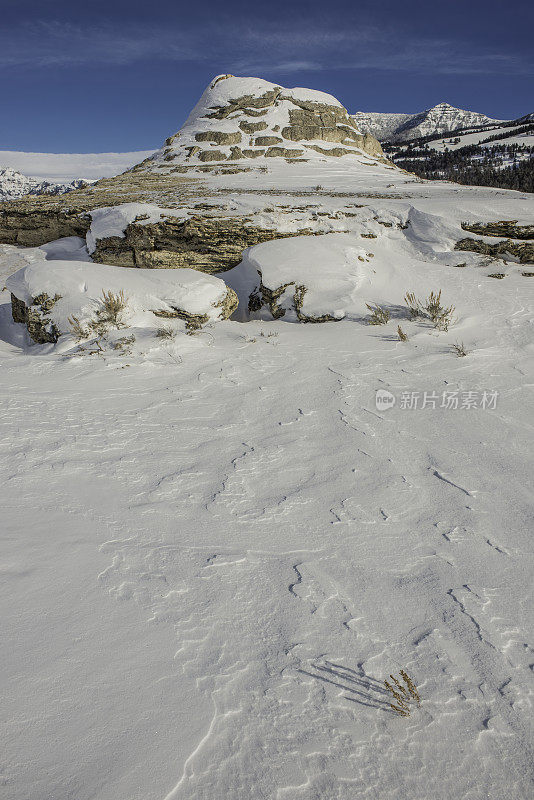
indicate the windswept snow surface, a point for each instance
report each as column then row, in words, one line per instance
column 215, row 549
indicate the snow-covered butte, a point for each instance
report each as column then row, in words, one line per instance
column 250, row 118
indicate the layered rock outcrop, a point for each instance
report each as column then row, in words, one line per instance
column 521, row 248
column 204, row 243
column 523, row 251
column 29, row 225
column 501, row 228
column 35, row 313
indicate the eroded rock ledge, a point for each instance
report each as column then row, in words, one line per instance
column 521, row 250
column 30, row 226
column 33, row 221
column 503, row 228
column 203, row 243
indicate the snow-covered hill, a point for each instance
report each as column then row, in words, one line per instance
column 497, row 155
column 508, row 134
column 485, row 146
column 438, row 120
column 243, row 119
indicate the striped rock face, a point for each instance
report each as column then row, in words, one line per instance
column 249, row 118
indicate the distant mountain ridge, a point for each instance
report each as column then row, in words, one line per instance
column 14, row 184
column 24, row 173
column 449, row 144
column 439, row 120
column 66, row 167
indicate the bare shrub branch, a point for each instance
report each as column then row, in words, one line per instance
column 379, row 316
column 459, row 349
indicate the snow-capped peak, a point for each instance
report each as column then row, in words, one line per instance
column 14, row 184
column 439, row 120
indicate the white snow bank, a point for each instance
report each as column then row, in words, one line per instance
column 431, row 233
column 13, row 258
column 343, row 273
column 336, row 269
column 69, row 248
column 80, row 286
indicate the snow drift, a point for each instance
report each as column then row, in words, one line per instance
column 48, row 296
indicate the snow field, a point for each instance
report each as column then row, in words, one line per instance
column 217, row 547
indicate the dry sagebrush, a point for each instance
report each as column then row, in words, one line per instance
column 403, row 694
column 108, row 314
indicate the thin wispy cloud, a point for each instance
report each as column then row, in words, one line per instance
column 270, row 49
column 62, row 44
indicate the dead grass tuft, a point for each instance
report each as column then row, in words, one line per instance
column 78, row 331
column 413, row 304
column 166, row 333
column 404, row 694
column 459, row 349
column 441, row 316
column 107, row 315
column 110, row 309
column 379, row 316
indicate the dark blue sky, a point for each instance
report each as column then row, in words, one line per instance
column 113, row 75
